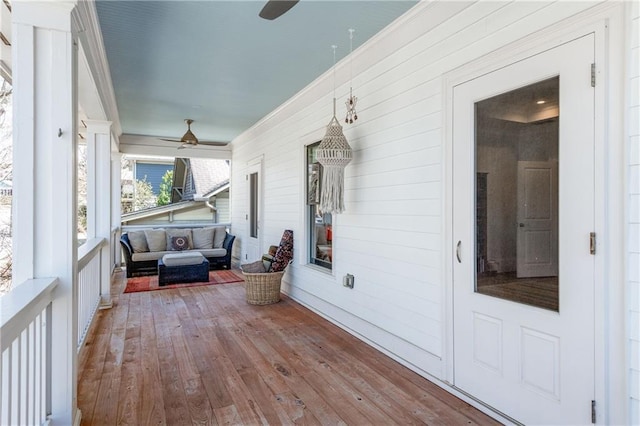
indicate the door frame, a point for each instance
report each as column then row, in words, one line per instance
column 610, row 373
column 506, row 337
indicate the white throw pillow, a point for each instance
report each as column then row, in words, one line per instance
column 203, row 237
column 138, row 241
column 156, row 239
column 218, row 239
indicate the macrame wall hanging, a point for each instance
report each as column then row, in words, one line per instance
column 334, row 153
column 352, row 115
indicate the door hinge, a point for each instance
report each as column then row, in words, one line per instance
column 593, row 75
column 593, row 412
column 592, row 243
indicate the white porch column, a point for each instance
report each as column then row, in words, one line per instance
column 116, row 204
column 99, row 198
column 45, row 163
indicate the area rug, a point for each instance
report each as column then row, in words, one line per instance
column 150, row 283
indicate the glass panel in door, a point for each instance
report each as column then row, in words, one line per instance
column 253, row 205
column 516, row 162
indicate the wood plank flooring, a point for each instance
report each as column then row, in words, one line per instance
column 535, row 291
column 203, row 356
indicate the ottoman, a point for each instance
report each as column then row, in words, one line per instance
column 183, row 268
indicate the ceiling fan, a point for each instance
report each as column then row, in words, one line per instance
column 190, row 140
column 276, row 8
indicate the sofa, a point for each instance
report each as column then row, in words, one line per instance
column 142, row 249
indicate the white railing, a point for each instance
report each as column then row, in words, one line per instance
column 25, row 370
column 89, row 283
column 126, row 228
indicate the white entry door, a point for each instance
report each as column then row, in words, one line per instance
column 525, row 346
column 254, row 213
column 537, row 248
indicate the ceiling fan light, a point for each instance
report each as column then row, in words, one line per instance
column 190, row 138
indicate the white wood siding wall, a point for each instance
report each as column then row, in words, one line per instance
column 391, row 236
column 634, row 210
column 222, row 207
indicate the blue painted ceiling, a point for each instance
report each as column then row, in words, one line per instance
column 219, row 63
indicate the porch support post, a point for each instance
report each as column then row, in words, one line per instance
column 116, row 205
column 45, row 171
column 99, row 198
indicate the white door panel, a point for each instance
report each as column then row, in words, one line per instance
column 534, row 365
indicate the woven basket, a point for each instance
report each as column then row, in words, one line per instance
column 263, row 288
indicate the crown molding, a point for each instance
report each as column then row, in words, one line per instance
column 96, row 60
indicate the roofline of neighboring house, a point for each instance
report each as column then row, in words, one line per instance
column 141, row 214
column 226, row 185
column 140, row 158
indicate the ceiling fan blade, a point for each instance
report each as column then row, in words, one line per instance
column 188, row 144
column 276, row 8
column 212, row 143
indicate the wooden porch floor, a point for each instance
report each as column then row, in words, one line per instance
column 201, row 355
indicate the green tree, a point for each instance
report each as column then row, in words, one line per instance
column 141, row 197
column 144, row 197
column 164, row 197
column 6, row 174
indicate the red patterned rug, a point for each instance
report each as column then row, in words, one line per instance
column 150, row 283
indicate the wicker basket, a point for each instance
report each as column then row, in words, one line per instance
column 263, row 288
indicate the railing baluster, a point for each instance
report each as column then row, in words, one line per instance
column 31, row 415
column 47, row 366
column 3, row 393
column 6, row 376
column 20, row 379
column 10, row 390
column 28, row 386
column 24, row 373
column 14, row 392
column 37, row 349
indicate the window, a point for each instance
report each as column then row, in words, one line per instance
column 319, row 224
